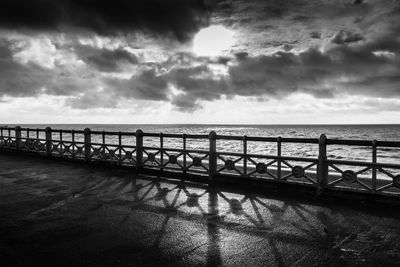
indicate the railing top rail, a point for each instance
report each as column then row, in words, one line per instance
column 350, row 142
column 7, row 128
column 113, row 133
column 387, row 144
column 269, row 139
column 66, row 131
column 33, row 129
column 347, row 142
column 171, row 135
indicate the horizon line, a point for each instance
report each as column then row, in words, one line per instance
column 215, row 124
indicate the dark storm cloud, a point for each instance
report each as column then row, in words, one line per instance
column 344, row 37
column 106, row 60
column 323, row 75
column 146, row 85
column 285, row 73
column 16, row 78
column 241, row 55
column 196, row 83
column 25, row 80
column 143, row 86
column 315, row 35
column 181, row 18
column 5, row 51
column 20, row 81
column 385, row 85
column 320, row 93
column 185, row 103
column 93, row 99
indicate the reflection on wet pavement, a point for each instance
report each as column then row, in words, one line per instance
column 57, row 213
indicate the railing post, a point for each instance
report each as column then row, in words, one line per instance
column 184, row 152
column 88, row 143
column 245, row 155
column 279, row 153
column 103, row 138
column 212, row 165
column 322, row 168
column 17, row 137
column 73, row 143
column 139, row 149
column 119, row 147
column 374, row 166
column 62, row 146
column 48, row 141
column 162, row 151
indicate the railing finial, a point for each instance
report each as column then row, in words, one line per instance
column 322, row 139
column 212, row 134
column 87, row 131
column 139, row 132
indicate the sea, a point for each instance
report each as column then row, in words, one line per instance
column 354, row 132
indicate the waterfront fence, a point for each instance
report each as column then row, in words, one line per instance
column 135, row 149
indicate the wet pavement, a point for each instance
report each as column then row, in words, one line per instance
column 56, row 213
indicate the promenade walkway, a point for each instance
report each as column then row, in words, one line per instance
column 55, row 213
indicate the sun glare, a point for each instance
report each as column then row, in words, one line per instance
column 212, row 41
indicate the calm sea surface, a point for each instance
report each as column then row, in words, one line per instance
column 364, row 132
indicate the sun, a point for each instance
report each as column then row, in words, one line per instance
column 212, row 41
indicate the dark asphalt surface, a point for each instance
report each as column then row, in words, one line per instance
column 65, row 214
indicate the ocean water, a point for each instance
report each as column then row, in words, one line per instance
column 358, row 132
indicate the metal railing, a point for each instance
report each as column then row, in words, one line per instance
column 133, row 149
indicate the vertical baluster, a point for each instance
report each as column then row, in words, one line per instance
column 184, row 152
column 279, row 154
column 212, row 165
column 119, row 147
column 374, row 161
column 245, row 155
column 1, row 136
column 162, row 150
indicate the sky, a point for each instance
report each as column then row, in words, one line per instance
column 200, row 61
